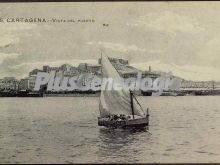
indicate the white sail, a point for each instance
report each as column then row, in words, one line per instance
column 115, row 101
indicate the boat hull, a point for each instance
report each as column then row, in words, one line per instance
column 131, row 123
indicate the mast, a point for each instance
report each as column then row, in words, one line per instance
column 101, row 61
column 213, row 85
column 132, row 106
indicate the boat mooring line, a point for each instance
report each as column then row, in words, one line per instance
column 149, row 132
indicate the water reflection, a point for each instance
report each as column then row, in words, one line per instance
column 122, row 145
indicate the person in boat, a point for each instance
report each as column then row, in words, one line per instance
column 115, row 117
column 111, row 118
column 123, row 117
column 120, row 116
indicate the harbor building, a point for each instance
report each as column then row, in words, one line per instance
column 89, row 68
column 47, row 68
column 1, row 84
column 9, row 83
column 27, row 83
column 116, row 61
column 68, row 70
column 34, row 72
column 186, row 84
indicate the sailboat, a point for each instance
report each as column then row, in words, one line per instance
column 119, row 108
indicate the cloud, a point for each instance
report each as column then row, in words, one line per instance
column 188, row 72
column 118, row 47
column 8, row 40
column 4, row 56
column 167, row 21
column 15, row 26
column 158, row 34
column 210, row 52
column 9, row 32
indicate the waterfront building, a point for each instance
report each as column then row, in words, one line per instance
column 69, row 70
column 1, row 84
column 24, row 84
column 89, row 68
column 32, row 81
column 65, row 70
column 127, row 71
column 194, row 84
column 27, row 83
column 70, row 73
column 150, row 74
column 47, row 68
column 217, row 85
column 34, row 72
column 119, row 61
column 60, row 74
column 187, row 84
column 66, row 67
column 116, row 61
column 9, row 83
column 86, row 80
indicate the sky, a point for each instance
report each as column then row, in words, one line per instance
column 178, row 37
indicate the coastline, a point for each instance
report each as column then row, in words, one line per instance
column 97, row 93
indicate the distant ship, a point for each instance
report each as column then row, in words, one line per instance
column 119, row 108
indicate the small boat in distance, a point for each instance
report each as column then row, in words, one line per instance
column 119, row 108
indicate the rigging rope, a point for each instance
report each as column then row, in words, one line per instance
column 138, row 102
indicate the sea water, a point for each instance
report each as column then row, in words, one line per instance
column 65, row 130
